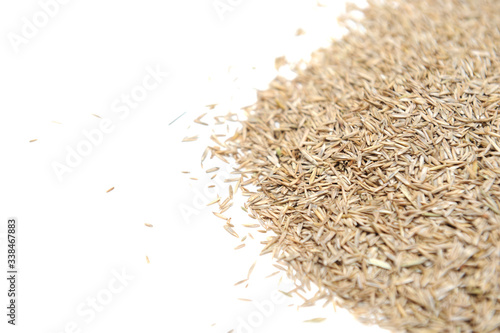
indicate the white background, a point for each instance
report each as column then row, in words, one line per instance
column 74, row 238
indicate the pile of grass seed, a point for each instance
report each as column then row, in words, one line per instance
column 378, row 167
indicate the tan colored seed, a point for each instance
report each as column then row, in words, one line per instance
column 315, row 320
column 239, row 246
column 190, row 138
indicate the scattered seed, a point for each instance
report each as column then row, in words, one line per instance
column 231, row 231
column 198, row 120
column 300, row 32
column 220, row 216
column 213, row 202
column 239, row 246
column 251, row 270
column 287, row 294
column 315, row 320
column 272, row 274
column 190, row 138
column 251, row 225
column 240, row 282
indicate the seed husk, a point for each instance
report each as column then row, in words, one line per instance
column 198, row 120
column 219, row 215
column 315, row 320
column 240, row 282
column 213, row 201
column 379, row 263
column 251, row 270
column 190, row 138
column 231, row 231
column 239, row 246
column 212, row 170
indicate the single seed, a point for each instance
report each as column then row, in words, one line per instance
column 239, row 246
column 315, row 320
column 190, row 138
